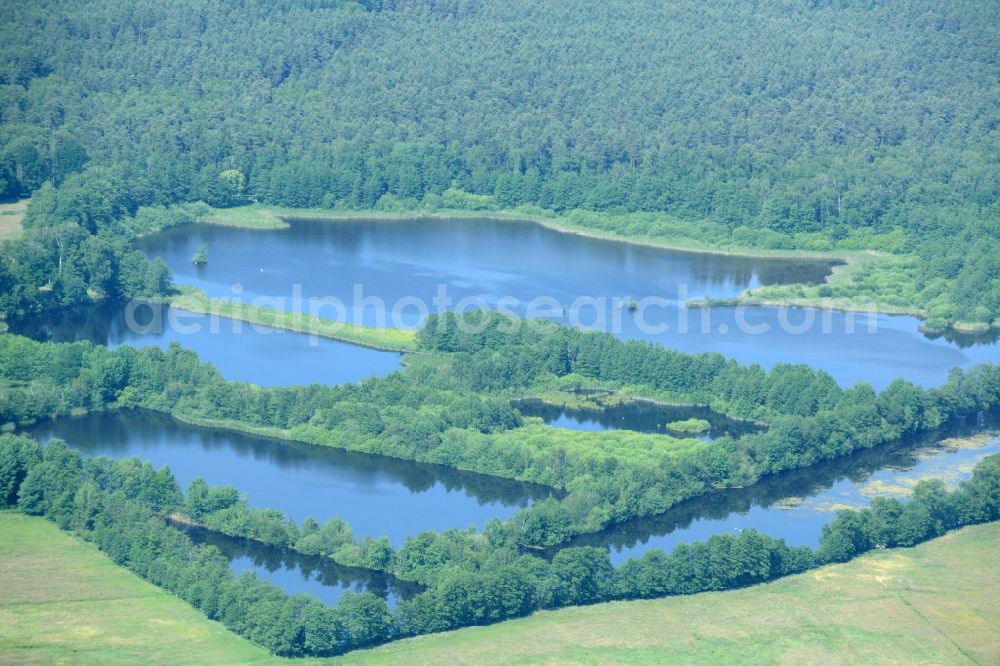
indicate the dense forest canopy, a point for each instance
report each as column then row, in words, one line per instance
column 802, row 123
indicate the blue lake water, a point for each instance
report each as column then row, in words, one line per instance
column 528, row 269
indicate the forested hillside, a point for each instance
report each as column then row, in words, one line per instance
column 800, row 124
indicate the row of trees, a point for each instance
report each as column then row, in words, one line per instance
column 119, row 505
column 223, row 510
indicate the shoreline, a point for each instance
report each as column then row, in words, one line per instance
column 844, row 262
column 291, row 435
column 562, row 225
column 177, row 518
column 197, row 301
column 828, row 304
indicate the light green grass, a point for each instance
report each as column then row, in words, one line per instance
column 11, row 215
column 559, row 392
column 689, row 425
column 386, row 339
column 64, row 602
column 572, row 400
column 938, row 603
column 249, row 217
column 635, row 449
column 883, row 277
column 639, row 449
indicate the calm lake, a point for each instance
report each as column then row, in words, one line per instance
column 795, row 505
column 241, row 352
column 303, row 574
column 400, row 263
column 377, row 495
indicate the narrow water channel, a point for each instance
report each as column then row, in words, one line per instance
column 795, row 505
column 296, row 573
column 637, row 415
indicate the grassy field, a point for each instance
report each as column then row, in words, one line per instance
column 11, row 215
column 250, row 217
column 638, row 448
column 387, row 339
column 937, row 603
column 61, row 601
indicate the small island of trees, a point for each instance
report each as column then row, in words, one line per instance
column 200, row 257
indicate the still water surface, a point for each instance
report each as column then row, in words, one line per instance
column 397, row 262
column 296, row 573
column 637, row 415
column 392, row 260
